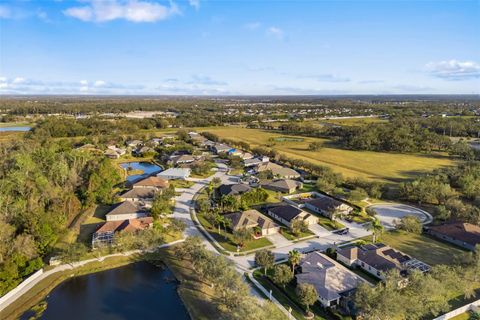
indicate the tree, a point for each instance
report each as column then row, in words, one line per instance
column 357, row 194
column 241, row 236
column 307, row 295
column 376, row 227
column 298, row 226
column 282, row 275
column 265, row 259
column 315, row 146
column 410, row 224
column 294, row 257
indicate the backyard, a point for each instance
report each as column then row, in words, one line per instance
column 422, row 247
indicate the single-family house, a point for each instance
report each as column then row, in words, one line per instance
column 252, row 219
column 462, row 234
column 334, row 283
column 327, row 206
column 111, row 154
column 233, row 189
column 175, row 174
column 106, row 232
column 143, row 150
column 125, row 210
column 378, row 258
column 134, row 143
column 282, row 185
column 139, row 194
column 152, row 182
column 246, row 156
column 253, row 162
column 278, row 170
column 220, row 148
column 181, row 159
column 287, row 213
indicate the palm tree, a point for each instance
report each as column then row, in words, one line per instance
column 294, row 257
column 376, row 227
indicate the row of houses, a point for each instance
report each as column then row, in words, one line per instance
column 132, row 213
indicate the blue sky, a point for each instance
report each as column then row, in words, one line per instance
column 210, row 47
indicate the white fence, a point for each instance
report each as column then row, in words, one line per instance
column 22, row 285
column 458, row 311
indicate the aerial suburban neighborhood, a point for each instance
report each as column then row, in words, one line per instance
column 239, row 160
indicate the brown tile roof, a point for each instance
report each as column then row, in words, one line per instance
column 277, row 170
column 140, row 193
column 286, row 184
column 152, row 181
column 130, row 225
column 250, row 219
column 378, row 255
column 125, row 207
column 465, row 232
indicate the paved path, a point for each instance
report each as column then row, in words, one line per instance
column 388, row 214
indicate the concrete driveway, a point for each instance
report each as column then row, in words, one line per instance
column 278, row 240
column 388, row 214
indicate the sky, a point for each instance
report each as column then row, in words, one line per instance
column 222, row 47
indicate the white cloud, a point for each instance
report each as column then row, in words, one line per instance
column 195, row 3
column 99, row 83
column 454, row 69
column 18, row 80
column 131, row 10
column 84, row 82
column 252, row 25
column 275, row 32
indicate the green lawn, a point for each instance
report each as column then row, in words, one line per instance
column 421, row 247
column 290, row 236
column 329, row 224
column 226, row 239
column 463, row 316
column 184, row 184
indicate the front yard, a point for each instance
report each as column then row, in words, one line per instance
column 329, row 224
column 225, row 239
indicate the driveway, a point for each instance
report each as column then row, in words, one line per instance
column 278, row 240
column 389, row 213
column 318, row 230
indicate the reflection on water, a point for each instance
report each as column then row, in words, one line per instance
column 136, row 291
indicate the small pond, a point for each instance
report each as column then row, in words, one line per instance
column 9, row 129
column 135, row 291
column 147, row 168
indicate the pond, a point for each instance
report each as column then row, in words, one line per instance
column 147, row 168
column 8, row 129
column 136, row 291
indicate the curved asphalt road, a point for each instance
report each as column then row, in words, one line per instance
column 388, row 214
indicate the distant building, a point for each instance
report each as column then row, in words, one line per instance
column 287, row 213
column 335, row 284
column 134, row 143
column 124, row 211
column 465, row 235
column 106, row 233
column 282, row 185
column 175, row 174
column 327, row 206
column 377, row 259
column 251, row 219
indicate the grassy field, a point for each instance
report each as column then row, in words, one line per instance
column 421, row 247
column 353, row 121
column 381, row 166
column 15, row 124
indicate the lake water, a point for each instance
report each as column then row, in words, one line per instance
column 136, row 291
column 7, row 129
column 147, row 168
